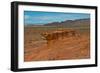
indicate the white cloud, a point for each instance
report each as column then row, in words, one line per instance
column 27, row 17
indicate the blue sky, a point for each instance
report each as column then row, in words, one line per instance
column 39, row 18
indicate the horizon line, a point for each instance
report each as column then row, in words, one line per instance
column 57, row 22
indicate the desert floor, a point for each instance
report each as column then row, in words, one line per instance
column 73, row 47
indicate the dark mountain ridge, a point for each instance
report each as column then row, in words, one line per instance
column 69, row 23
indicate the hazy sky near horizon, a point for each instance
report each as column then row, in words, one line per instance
column 39, row 18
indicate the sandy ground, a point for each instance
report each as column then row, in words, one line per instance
column 62, row 49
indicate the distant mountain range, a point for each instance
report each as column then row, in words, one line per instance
column 71, row 23
column 68, row 23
